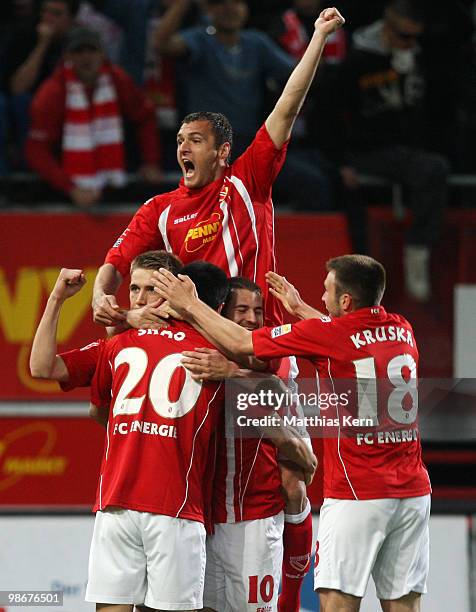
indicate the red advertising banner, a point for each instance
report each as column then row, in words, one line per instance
column 49, row 461
column 35, row 246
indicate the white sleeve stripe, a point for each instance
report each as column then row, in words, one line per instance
column 240, row 187
column 227, row 242
column 239, row 244
column 273, row 252
column 163, row 228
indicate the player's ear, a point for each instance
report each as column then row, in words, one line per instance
column 220, row 308
column 224, row 152
column 346, row 302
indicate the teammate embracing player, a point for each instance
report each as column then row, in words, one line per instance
column 224, row 214
column 244, row 554
column 375, row 516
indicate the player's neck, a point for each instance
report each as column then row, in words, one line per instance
column 219, row 172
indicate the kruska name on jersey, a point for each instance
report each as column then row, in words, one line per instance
column 391, row 333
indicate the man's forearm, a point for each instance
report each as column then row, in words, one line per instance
column 226, row 335
column 107, row 282
column 280, row 122
column 304, row 311
column 170, row 23
column 44, row 348
column 297, row 87
column 27, row 74
column 295, row 449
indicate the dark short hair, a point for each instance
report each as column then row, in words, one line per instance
column 211, row 282
column 359, row 275
column 240, row 282
column 221, row 127
column 154, row 260
column 409, row 9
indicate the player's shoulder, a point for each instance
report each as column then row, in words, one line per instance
column 161, row 200
column 190, row 335
column 398, row 319
column 261, row 140
column 113, row 344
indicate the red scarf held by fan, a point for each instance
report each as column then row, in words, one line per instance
column 93, row 149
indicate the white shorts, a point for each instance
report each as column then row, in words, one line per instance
column 244, row 565
column 144, row 558
column 385, row 538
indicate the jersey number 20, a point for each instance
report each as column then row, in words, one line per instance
column 158, row 392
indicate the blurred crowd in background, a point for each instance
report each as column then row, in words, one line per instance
column 160, row 59
column 92, row 93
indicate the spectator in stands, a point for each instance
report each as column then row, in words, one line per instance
column 380, row 94
column 226, row 68
column 132, row 16
column 81, row 109
column 32, row 52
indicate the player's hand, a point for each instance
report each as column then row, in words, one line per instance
column 179, row 290
column 68, row 283
column 85, row 198
column 166, row 311
column 329, row 21
column 149, row 316
column 106, row 311
column 288, row 468
column 286, row 293
column 208, row 364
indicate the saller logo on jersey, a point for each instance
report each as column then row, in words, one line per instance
column 281, row 330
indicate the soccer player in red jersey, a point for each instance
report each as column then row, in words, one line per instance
column 375, row 516
column 224, row 214
column 244, row 555
column 149, row 539
column 76, row 368
column 220, row 213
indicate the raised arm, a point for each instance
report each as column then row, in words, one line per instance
column 281, row 120
column 26, row 75
column 44, row 361
column 289, row 297
column 166, row 39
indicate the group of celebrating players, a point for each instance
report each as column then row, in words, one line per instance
column 190, row 513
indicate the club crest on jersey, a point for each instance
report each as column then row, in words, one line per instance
column 300, row 564
column 223, row 193
column 281, row 330
column 203, row 233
